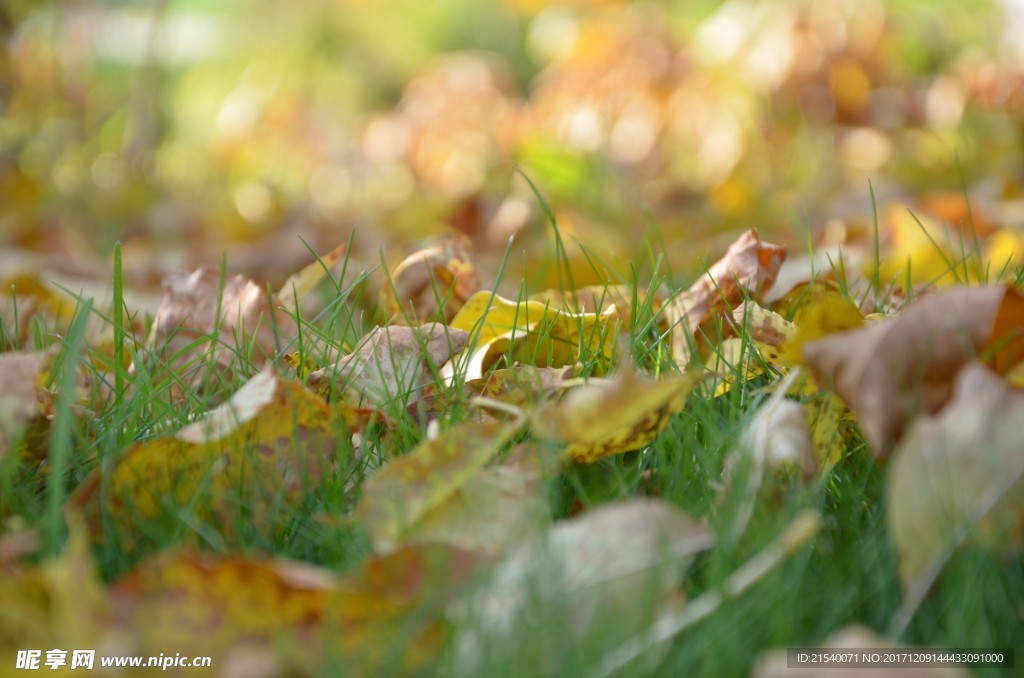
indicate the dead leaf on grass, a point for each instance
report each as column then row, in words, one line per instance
column 590, row 582
column 533, row 333
column 747, row 269
column 613, row 416
column 959, row 474
column 433, row 283
column 392, row 363
column 271, row 439
column 497, row 508
column 235, row 315
column 58, row 603
column 223, row 606
column 19, row 395
column 399, row 496
column 889, row 371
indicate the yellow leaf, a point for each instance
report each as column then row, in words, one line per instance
column 265, row 444
column 819, row 312
column 612, row 416
column 400, row 494
column 532, row 333
column 489, row 316
column 825, row 413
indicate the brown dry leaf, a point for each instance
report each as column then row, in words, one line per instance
column 19, row 395
column 775, row 664
column 957, row 474
column 891, row 370
column 270, row 441
column 249, row 322
column 613, row 416
column 224, row 606
column 398, row 496
column 597, row 580
column 433, row 283
column 58, row 603
column 499, row 507
column 747, row 269
column 391, row 364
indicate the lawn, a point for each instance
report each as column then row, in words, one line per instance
column 513, row 339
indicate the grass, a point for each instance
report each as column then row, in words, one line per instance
column 846, row 575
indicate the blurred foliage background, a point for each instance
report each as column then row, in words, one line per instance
column 191, row 128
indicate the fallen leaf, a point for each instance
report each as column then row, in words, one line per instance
column 957, row 474
column 202, row 316
column 855, row 639
column 828, row 415
column 778, row 437
column 747, row 269
column 533, row 333
column 399, row 495
column 590, row 582
column 612, row 416
column 391, row 364
column 622, row 300
column 489, row 316
column 891, row 370
column 384, row 616
column 267, row 444
column 521, row 388
column 60, row 602
column 433, row 283
column 19, row 395
column 818, row 311
column 496, row 508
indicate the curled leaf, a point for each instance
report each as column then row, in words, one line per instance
column 747, row 269
column 889, row 371
column 533, row 333
column 432, row 283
